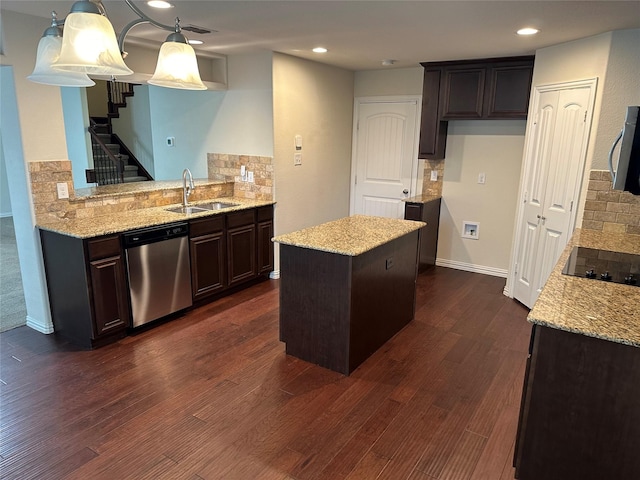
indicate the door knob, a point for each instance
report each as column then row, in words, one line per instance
column 405, row 191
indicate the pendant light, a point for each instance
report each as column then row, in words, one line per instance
column 89, row 43
column 48, row 52
column 177, row 65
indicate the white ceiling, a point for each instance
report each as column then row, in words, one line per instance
column 360, row 34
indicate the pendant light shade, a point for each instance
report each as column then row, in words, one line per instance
column 48, row 52
column 89, row 45
column 177, row 65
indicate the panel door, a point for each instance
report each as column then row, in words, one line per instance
column 555, row 157
column 385, row 157
column 110, row 308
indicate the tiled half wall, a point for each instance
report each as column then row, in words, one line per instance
column 46, row 175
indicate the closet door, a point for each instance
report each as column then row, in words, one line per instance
column 555, row 154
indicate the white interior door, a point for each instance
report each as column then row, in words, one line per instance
column 554, row 162
column 385, row 156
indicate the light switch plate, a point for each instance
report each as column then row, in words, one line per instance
column 297, row 159
column 250, row 177
column 63, row 190
column 481, row 178
column 434, row 175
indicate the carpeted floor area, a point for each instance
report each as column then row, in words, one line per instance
column 13, row 312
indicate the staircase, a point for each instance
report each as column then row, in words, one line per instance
column 103, row 162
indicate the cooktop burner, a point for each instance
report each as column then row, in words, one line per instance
column 604, row 265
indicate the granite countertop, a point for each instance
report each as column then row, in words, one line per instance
column 424, row 198
column 609, row 311
column 135, row 187
column 145, row 217
column 350, row 236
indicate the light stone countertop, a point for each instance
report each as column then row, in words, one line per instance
column 146, row 217
column 135, row 187
column 609, row 311
column 424, row 198
column 350, row 236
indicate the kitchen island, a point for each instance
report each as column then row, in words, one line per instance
column 580, row 410
column 346, row 288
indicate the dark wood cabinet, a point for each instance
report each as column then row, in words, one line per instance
column 241, row 247
column 86, row 282
column 580, row 409
column 428, row 212
column 207, row 247
column 265, row 234
column 495, row 88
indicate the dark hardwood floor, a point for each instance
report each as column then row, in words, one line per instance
column 211, row 395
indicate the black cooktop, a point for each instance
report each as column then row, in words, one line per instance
column 604, row 265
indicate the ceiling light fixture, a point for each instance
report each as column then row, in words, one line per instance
column 89, row 46
column 527, row 31
column 159, row 4
column 320, row 50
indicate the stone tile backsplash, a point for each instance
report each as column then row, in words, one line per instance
column 429, row 187
column 223, row 166
column 608, row 210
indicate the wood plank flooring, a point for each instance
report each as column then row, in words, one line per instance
column 212, row 395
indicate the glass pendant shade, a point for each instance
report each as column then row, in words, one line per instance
column 48, row 52
column 177, row 67
column 89, row 45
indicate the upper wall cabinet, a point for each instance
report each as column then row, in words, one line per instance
column 495, row 88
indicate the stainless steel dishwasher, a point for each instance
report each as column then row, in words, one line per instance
column 159, row 271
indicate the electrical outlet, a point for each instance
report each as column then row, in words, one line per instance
column 63, row 190
column 250, row 177
column 434, row 175
column 481, row 178
column 297, row 159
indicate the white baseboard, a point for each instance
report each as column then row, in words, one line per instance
column 274, row 275
column 38, row 326
column 470, row 267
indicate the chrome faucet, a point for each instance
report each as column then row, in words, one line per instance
column 186, row 189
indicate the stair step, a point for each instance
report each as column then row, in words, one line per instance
column 113, row 147
column 134, row 179
column 130, row 168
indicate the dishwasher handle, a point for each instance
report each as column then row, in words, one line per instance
column 149, row 235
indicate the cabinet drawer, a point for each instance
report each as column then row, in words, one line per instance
column 104, row 247
column 206, row 226
column 412, row 211
column 238, row 219
column 265, row 213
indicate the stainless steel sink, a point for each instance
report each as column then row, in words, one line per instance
column 217, row 205
column 189, row 209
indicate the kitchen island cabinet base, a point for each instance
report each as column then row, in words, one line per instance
column 337, row 310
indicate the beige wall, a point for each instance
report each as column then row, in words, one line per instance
column 315, row 101
column 40, row 106
column 398, row 81
column 492, row 147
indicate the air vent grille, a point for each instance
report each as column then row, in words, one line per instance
column 196, row 29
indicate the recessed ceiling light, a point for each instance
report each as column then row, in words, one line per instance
column 195, row 42
column 527, row 31
column 159, row 4
column 320, row 50
column 388, row 62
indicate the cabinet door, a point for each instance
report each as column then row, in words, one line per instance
column 110, row 308
column 433, row 132
column 207, row 264
column 265, row 247
column 241, row 251
column 508, row 91
column 463, row 93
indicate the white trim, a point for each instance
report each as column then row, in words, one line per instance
column 38, row 326
column 5, row 215
column 470, row 267
column 417, row 99
column 274, row 275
